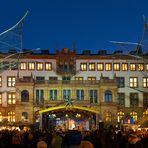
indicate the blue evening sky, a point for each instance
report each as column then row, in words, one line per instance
column 89, row 24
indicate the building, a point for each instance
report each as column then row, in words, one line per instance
column 35, row 86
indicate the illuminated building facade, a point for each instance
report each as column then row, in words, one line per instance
column 113, row 86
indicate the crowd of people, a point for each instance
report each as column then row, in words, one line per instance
column 99, row 138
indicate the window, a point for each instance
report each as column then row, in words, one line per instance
column 132, row 66
column 23, row 66
column 124, row 66
column 134, row 115
column 108, row 117
column 14, row 65
column 79, row 78
column 134, row 99
column 53, row 78
column 1, row 117
column 11, row 116
column 6, row 65
column 140, row 67
column 66, row 78
column 145, row 113
column 11, row 81
column 92, row 66
column 93, row 95
column 39, row 66
column 145, row 100
column 40, row 79
column 108, row 96
column 145, row 82
column 108, row 66
column 80, row 94
column 120, row 82
column 121, row 99
column 11, row 98
column 83, row 66
column 66, row 94
column 25, row 96
column 0, row 81
column 0, row 98
column 100, row 66
column 31, row 66
column 120, row 116
column 116, row 66
column 133, row 81
column 53, row 94
column 91, row 78
column 48, row 66
column 39, row 96
column 146, row 67
column 24, row 116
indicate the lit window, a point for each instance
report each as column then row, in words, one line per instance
column 134, row 115
column 146, row 67
column 133, row 82
column 53, row 94
column 48, row 66
column 134, row 100
column 132, row 66
column 11, row 117
column 83, row 66
column 31, row 66
column 124, row 66
column 100, row 66
column 0, row 81
column 108, row 66
column 79, row 78
column 108, row 96
column 11, row 81
column 91, row 78
column 120, row 116
column 91, row 66
column 145, row 82
column 145, row 113
column 39, row 66
column 108, row 117
column 11, row 98
column 140, row 66
column 1, row 117
column 80, row 94
column 0, row 98
column 116, row 66
column 23, row 66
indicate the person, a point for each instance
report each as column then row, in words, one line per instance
column 41, row 144
column 86, row 144
column 56, row 141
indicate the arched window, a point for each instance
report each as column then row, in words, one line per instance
column 108, row 117
column 24, row 115
column 24, row 96
column 120, row 116
column 11, row 116
column 134, row 115
column 0, row 116
column 108, row 96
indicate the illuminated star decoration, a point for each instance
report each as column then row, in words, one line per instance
column 68, row 102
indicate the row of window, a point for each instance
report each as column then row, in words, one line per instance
column 133, row 81
column 93, row 96
column 11, row 116
column 113, row 66
column 108, row 116
column 14, row 65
